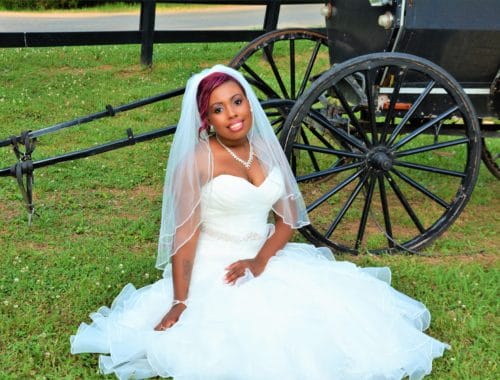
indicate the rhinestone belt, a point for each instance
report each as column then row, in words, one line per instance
column 219, row 235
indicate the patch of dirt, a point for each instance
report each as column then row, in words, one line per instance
column 9, row 210
column 141, row 191
column 105, row 67
column 130, row 71
column 485, row 259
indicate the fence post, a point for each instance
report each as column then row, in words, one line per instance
column 147, row 28
column 272, row 15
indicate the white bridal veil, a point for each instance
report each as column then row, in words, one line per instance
column 190, row 166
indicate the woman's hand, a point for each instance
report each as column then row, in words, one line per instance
column 238, row 268
column 171, row 317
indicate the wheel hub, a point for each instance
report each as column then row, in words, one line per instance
column 379, row 159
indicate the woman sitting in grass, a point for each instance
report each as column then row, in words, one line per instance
column 238, row 300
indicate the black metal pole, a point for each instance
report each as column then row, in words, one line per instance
column 131, row 139
column 109, row 112
column 147, row 28
column 272, row 15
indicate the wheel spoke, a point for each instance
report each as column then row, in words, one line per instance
column 337, row 131
column 274, row 68
column 319, row 149
column 277, row 121
column 292, row 68
column 261, row 83
column 278, row 130
column 273, row 114
column 333, row 191
column 411, row 111
column 422, row 189
column 405, row 203
column 431, row 169
column 320, row 137
column 431, row 147
column 352, row 117
column 310, row 65
column 346, row 206
column 331, row 170
column 309, row 152
column 370, row 94
column 364, row 216
column 421, row 129
column 392, row 101
column 385, row 210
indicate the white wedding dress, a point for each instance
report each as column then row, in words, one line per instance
column 306, row 316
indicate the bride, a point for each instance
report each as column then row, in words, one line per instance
column 237, row 300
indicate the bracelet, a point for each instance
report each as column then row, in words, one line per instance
column 177, row 302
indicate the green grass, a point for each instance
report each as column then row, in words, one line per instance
column 99, row 217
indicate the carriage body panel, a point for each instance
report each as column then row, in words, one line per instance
column 462, row 36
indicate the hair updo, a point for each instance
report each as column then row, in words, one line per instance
column 205, row 88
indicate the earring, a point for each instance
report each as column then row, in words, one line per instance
column 211, row 128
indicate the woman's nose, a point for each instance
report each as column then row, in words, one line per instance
column 231, row 111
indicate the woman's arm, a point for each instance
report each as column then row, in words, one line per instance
column 282, row 234
column 182, row 267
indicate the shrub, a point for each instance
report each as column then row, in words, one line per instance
column 47, row 4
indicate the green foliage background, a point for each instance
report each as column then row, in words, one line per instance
column 48, row 4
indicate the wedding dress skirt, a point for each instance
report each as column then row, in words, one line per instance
column 306, row 316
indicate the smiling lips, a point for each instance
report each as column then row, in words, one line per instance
column 237, row 126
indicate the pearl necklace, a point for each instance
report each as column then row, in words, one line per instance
column 246, row 163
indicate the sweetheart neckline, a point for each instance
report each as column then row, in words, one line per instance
column 243, row 179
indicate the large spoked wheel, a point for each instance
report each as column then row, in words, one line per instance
column 407, row 159
column 282, row 64
column 490, row 156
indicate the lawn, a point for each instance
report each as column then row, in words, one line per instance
column 99, row 217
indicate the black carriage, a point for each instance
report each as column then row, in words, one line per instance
column 384, row 142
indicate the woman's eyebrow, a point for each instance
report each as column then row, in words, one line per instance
column 221, row 103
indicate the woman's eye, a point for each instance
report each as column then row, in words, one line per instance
column 238, row 101
column 217, row 110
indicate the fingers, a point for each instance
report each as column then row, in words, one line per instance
column 233, row 274
column 163, row 325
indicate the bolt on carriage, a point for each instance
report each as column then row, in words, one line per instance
column 384, row 119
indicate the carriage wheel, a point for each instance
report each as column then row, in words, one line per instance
column 277, row 111
column 409, row 158
column 490, row 158
column 282, row 64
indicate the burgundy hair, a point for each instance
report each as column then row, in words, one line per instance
column 205, row 88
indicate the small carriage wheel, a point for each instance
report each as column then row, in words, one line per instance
column 280, row 66
column 282, row 63
column 277, row 111
column 412, row 156
column 490, row 158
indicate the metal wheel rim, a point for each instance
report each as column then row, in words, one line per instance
column 280, row 86
column 454, row 207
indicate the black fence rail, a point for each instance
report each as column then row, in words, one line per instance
column 147, row 36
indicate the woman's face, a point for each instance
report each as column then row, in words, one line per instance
column 229, row 112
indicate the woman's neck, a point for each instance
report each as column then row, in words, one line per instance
column 234, row 143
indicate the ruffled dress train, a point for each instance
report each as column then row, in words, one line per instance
column 306, row 316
